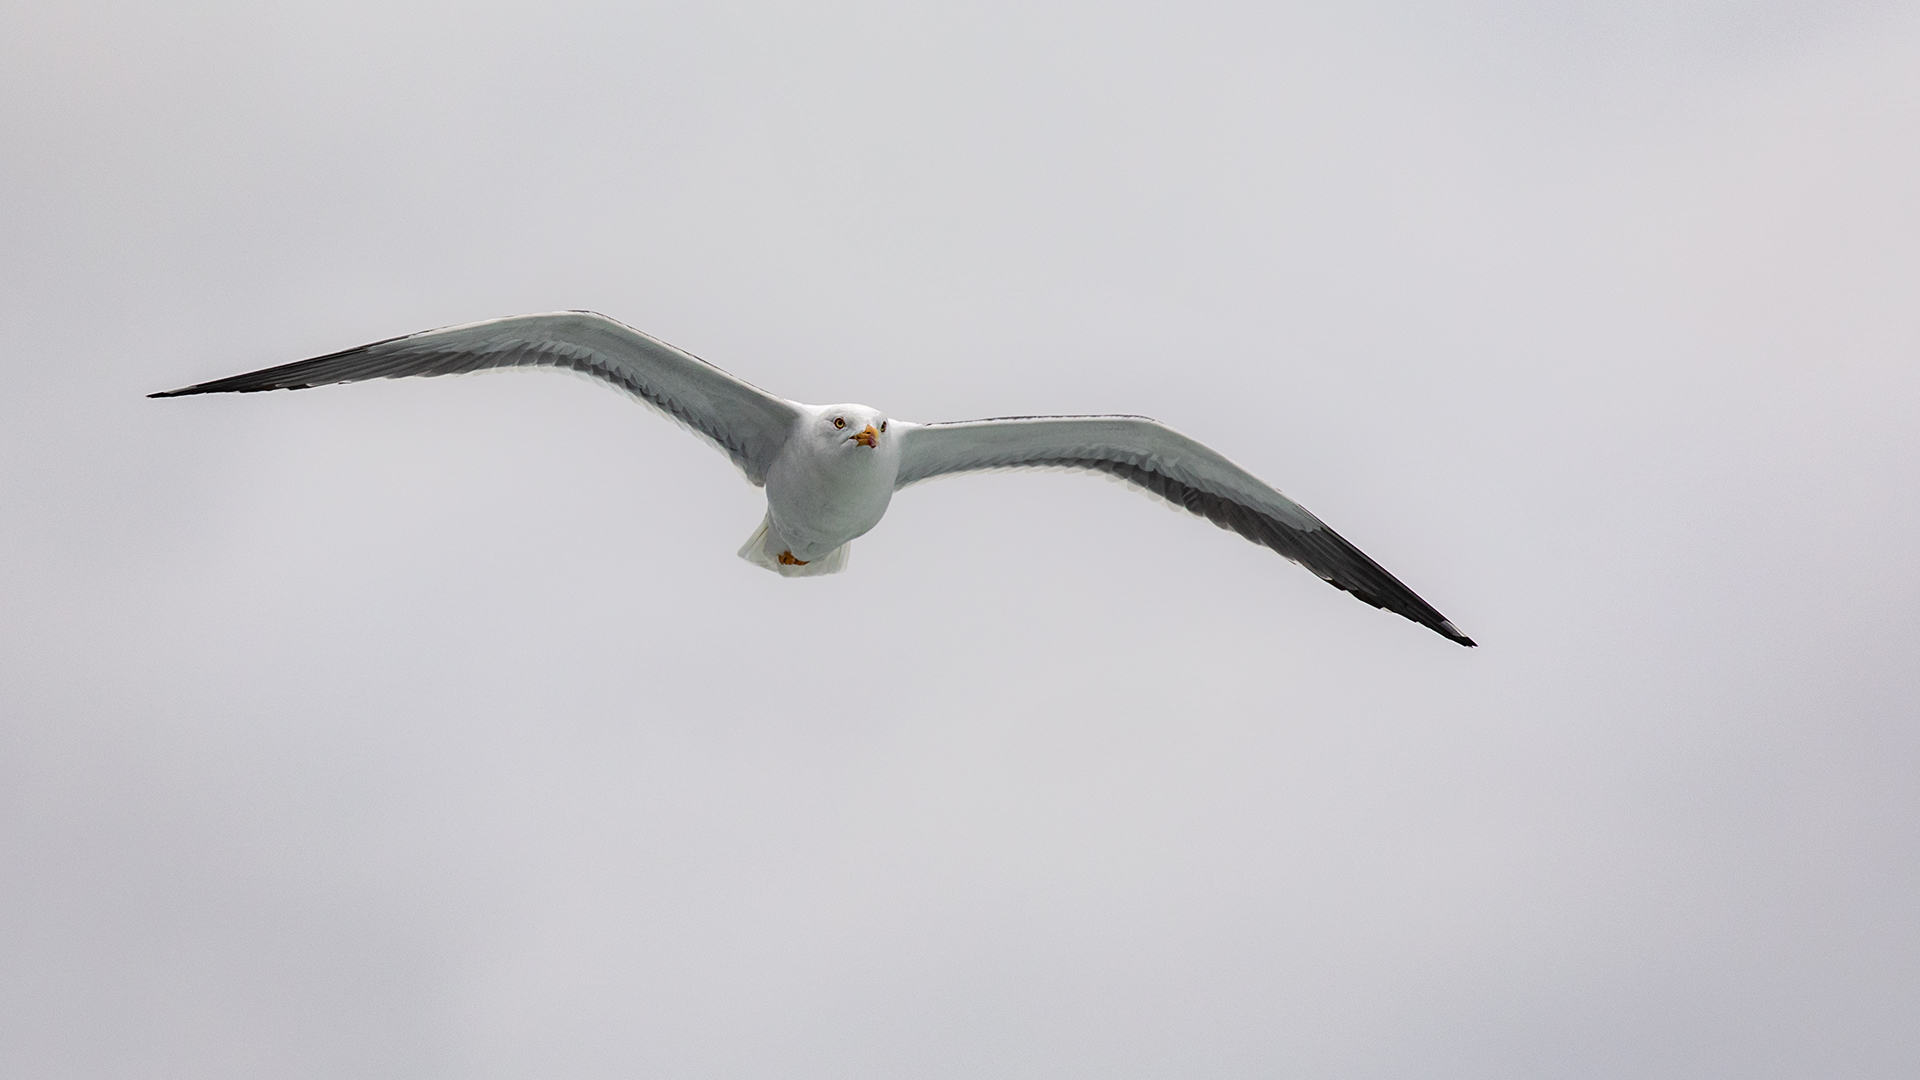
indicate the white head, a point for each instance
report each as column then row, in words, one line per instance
column 849, row 430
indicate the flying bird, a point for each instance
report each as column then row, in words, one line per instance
column 830, row 470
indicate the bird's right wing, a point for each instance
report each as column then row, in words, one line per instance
column 748, row 424
column 1152, row 456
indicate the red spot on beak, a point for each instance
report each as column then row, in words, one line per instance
column 867, row 437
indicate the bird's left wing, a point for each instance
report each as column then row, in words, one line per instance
column 1150, row 455
column 744, row 421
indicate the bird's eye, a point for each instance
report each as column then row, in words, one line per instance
column 839, row 421
column 883, row 425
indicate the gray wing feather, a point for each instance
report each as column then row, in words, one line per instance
column 744, row 421
column 1160, row 460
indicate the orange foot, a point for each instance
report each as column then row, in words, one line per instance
column 787, row 559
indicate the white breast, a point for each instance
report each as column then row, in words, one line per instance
column 821, row 495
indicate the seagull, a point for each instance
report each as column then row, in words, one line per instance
column 831, row 470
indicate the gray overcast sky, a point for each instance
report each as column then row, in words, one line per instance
column 432, row 728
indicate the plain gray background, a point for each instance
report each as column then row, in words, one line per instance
column 432, row 728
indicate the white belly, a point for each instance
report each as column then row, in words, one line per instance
column 820, row 500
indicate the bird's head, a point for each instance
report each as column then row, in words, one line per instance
column 851, row 428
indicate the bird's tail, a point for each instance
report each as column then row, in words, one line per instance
column 755, row 551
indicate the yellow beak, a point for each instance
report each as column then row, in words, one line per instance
column 868, row 437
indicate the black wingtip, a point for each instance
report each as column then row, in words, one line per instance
column 175, row 393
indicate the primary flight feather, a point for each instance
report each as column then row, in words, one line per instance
column 830, row 471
